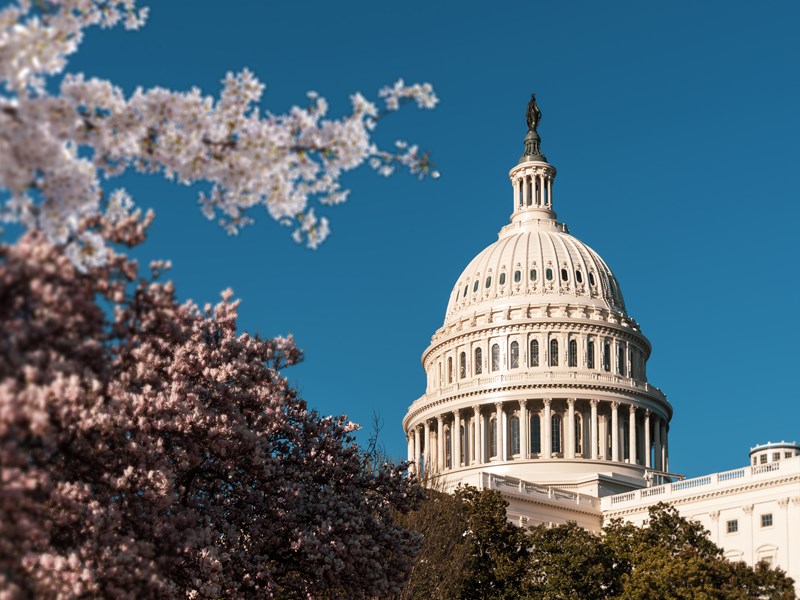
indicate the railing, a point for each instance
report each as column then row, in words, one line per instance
column 678, row 489
column 539, row 376
column 506, row 483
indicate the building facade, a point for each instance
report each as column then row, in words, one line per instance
column 537, row 386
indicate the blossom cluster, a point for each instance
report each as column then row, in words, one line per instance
column 55, row 148
column 148, row 450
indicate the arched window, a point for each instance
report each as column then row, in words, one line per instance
column 553, row 353
column 462, row 365
column 578, row 435
column 478, row 361
column 621, row 359
column 495, row 357
column 555, row 433
column 466, row 287
column 475, row 286
column 573, row 353
column 441, row 381
column 591, row 279
column 564, row 275
column 536, row 434
column 449, row 369
column 534, row 353
column 533, row 274
column 493, row 437
column 590, row 353
column 606, row 356
column 448, row 448
column 515, row 435
column 488, row 281
column 502, row 278
column 517, row 276
column 578, row 276
column 514, row 355
column 548, row 274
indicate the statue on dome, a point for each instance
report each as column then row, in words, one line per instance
column 533, row 114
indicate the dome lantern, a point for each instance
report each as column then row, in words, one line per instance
column 533, row 176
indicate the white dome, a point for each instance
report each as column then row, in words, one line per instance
column 535, row 262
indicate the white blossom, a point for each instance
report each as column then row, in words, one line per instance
column 56, row 149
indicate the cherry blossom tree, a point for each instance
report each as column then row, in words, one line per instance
column 57, row 146
column 149, row 450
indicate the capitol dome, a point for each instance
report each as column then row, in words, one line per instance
column 538, row 371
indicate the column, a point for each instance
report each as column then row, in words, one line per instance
column 657, row 444
column 477, row 434
column 647, row 438
column 502, row 441
column 440, row 443
column 427, row 449
column 482, row 423
column 517, row 199
column 456, row 437
column 410, row 441
column 547, row 444
column 615, row 431
column 594, row 429
column 666, row 447
column 526, row 190
column 417, row 450
column 632, row 435
column 524, row 436
column 570, row 428
column 549, row 193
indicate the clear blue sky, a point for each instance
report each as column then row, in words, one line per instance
column 674, row 127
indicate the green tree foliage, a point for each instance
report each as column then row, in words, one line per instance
column 471, row 551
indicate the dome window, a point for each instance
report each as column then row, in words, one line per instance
column 495, row 357
column 591, row 279
column 553, row 353
column 590, row 354
column 514, row 355
column 478, row 361
column 578, row 276
column 533, row 274
column 502, row 278
column 475, row 287
column 564, row 275
column 549, row 274
column 466, row 287
column 462, row 365
column 534, row 357
column 573, row 353
column 488, row 281
column 517, row 276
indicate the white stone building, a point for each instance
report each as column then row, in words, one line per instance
column 537, row 386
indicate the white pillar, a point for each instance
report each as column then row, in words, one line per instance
column 410, row 441
column 502, row 440
column 615, row 431
column 549, row 193
column 417, row 450
column 594, row 429
column 647, row 438
column 517, row 199
column 440, row 444
column 632, row 435
column 570, row 428
column 526, row 190
column 547, row 444
column 482, row 424
column 456, row 437
column 524, row 436
column 477, row 434
column 657, row 444
column 427, row 449
column 666, row 447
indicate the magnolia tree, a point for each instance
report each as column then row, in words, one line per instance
column 148, row 450
column 56, row 146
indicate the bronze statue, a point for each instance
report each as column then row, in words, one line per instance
column 533, row 114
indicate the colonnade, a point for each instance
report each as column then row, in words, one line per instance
column 533, row 187
column 564, row 428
